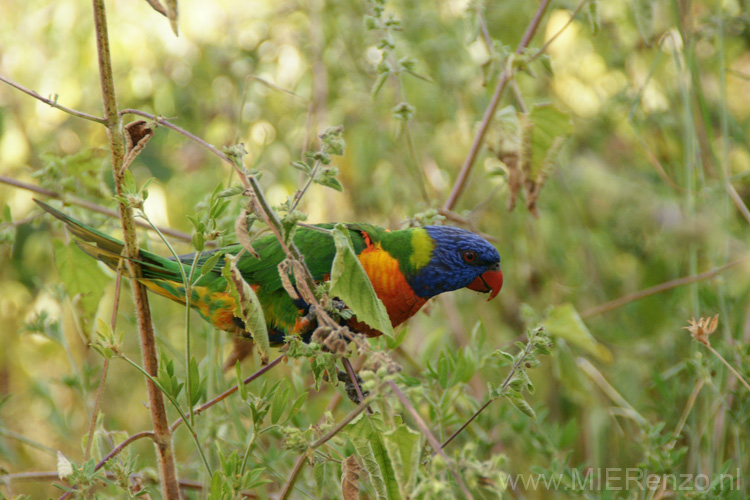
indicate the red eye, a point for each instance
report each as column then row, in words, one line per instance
column 470, row 256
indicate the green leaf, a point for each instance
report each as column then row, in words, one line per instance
column 594, row 18
column 240, row 384
column 81, row 276
column 198, row 385
column 403, row 445
column 517, row 400
column 366, row 433
column 279, row 401
column 397, row 340
column 248, row 306
column 350, row 283
column 379, row 82
column 550, row 128
column 563, row 321
column 209, row 265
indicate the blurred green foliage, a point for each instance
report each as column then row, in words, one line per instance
column 647, row 187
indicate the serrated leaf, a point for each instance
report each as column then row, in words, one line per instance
column 350, row 478
column 563, row 321
column 350, row 283
column 366, row 433
column 403, row 445
column 374, row 464
column 248, row 307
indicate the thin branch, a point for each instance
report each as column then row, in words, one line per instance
column 116, row 451
column 168, row 124
column 737, row 200
column 353, row 378
column 729, row 366
column 560, row 31
column 614, row 304
column 221, row 397
column 503, row 387
column 289, row 485
column 94, row 207
column 595, row 375
column 52, row 103
column 47, row 475
column 489, row 113
column 162, row 435
column 105, row 366
column 430, row 437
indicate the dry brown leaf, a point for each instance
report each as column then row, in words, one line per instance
column 701, row 329
column 350, row 478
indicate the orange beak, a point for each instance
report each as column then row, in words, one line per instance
column 489, row 281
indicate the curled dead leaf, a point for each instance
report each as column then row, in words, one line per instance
column 701, row 329
column 350, row 470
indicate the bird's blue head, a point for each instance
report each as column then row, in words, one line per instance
column 458, row 259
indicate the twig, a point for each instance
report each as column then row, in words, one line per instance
column 168, row 124
column 116, row 451
column 162, row 435
column 94, row 207
column 52, row 103
column 595, row 375
column 560, row 31
column 353, row 378
column 503, row 387
column 729, row 366
column 46, row 475
column 176, row 406
column 287, row 490
column 737, row 200
column 614, row 304
column 105, row 366
column 489, row 113
column 430, row 437
column 227, row 393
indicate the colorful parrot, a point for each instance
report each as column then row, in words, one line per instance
column 406, row 268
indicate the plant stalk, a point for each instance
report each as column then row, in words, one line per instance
column 162, row 434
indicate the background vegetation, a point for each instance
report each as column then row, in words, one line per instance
column 634, row 120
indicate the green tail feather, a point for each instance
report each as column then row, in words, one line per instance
column 109, row 250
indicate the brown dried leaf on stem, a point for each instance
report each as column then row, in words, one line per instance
column 350, row 478
column 137, row 134
column 700, row 330
column 241, row 229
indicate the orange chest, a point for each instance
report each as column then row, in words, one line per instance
column 390, row 285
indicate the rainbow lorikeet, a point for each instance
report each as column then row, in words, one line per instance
column 406, row 269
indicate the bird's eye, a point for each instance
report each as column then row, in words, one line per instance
column 470, row 256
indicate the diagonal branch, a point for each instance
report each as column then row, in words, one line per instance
column 489, row 113
column 614, row 304
column 430, row 437
column 94, row 207
column 53, row 103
